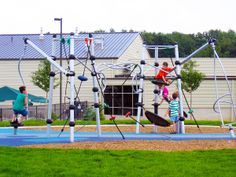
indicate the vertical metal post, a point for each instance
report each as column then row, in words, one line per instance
column 156, row 89
column 60, row 20
column 180, row 124
column 72, row 83
column 95, row 88
column 51, row 84
column 60, row 72
column 140, row 91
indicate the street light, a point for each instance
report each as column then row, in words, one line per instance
column 60, row 20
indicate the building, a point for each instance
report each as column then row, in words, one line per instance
column 110, row 48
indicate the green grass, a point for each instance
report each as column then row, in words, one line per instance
column 109, row 163
column 38, row 122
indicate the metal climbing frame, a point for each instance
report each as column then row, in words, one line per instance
column 70, row 74
column 156, row 49
column 177, row 68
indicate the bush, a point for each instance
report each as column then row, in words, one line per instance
column 90, row 114
column 54, row 116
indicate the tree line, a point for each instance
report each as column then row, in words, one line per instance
column 187, row 43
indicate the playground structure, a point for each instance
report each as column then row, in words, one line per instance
column 97, row 75
column 177, row 69
column 71, row 74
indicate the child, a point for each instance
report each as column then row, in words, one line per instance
column 161, row 76
column 165, row 93
column 174, row 110
column 20, row 105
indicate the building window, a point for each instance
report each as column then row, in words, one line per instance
column 120, row 100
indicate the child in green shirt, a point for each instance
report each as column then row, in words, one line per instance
column 20, row 105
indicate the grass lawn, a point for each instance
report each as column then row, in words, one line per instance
column 107, row 163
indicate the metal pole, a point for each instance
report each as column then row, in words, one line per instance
column 156, row 89
column 72, row 83
column 50, row 59
column 95, row 88
column 180, row 124
column 51, row 84
column 60, row 72
column 60, row 20
column 140, row 90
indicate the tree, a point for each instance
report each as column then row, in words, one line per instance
column 112, row 30
column 225, row 42
column 99, row 31
column 191, row 78
column 41, row 78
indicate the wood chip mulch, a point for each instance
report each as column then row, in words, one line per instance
column 153, row 145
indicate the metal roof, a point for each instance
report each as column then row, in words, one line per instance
column 114, row 45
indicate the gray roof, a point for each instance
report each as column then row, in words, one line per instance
column 114, row 45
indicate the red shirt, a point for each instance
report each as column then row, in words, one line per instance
column 162, row 73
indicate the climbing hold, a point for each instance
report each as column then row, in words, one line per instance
column 82, row 78
column 128, row 114
column 112, row 117
column 190, row 111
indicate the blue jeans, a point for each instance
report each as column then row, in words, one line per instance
column 23, row 112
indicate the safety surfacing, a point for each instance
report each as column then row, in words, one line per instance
column 30, row 137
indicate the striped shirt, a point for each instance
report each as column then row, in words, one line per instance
column 174, row 108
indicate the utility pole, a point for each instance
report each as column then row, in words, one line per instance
column 60, row 20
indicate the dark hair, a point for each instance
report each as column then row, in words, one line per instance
column 174, row 95
column 165, row 63
column 22, row 89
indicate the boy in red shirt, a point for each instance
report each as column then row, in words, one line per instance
column 161, row 76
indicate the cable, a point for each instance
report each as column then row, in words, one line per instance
column 19, row 65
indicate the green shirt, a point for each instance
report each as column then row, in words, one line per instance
column 174, row 108
column 19, row 103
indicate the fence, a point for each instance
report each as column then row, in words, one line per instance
column 40, row 111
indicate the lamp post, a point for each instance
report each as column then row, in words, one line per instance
column 60, row 20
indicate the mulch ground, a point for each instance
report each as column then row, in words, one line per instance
column 147, row 144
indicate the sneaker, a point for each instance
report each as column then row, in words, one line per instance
column 13, row 123
column 173, row 132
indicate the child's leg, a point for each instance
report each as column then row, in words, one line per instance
column 24, row 113
column 13, row 118
column 15, row 113
column 161, row 89
column 169, row 81
column 22, row 118
column 174, row 126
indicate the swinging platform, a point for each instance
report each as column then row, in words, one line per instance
column 156, row 119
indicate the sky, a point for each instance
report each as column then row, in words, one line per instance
column 166, row 16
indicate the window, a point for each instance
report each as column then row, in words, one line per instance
column 120, row 99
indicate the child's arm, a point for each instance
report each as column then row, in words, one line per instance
column 167, row 112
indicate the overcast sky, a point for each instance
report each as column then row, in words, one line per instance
column 186, row 16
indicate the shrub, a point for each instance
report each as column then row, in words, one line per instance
column 90, row 114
